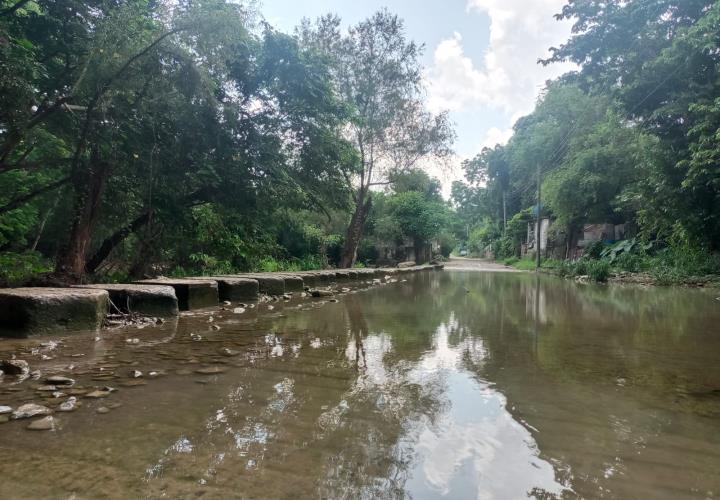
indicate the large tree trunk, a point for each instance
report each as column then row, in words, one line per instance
column 89, row 187
column 355, row 229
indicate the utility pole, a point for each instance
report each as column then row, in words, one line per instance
column 537, row 230
column 504, row 212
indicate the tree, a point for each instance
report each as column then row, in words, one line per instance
column 157, row 115
column 659, row 59
column 377, row 72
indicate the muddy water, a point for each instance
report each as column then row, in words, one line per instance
column 449, row 385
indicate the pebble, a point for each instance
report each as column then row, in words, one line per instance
column 44, row 424
column 5, row 409
column 211, row 370
column 133, row 341
column 103, row 410
column 48, row 388
column 133, row 383
column 97, row 394
column 59, row 380
column 136, row 374
column 30, row 410
column 69, row 405
column 239, row 310
column 215, row 327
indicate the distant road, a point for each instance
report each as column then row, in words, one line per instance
column 468, row 264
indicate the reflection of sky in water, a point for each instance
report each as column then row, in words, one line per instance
column 475, row 449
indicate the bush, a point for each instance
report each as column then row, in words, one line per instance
column 594, row 250
column 598, row 270
column 504, row 248
column 18, row 267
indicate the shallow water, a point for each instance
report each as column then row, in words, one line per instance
column 450, row 385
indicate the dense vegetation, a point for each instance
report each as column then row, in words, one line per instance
column 630, row 137
column 141, row 137
column 153, row 136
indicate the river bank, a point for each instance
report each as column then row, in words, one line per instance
column 26, row 312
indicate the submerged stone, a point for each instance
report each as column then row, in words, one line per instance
column 59, row 380
column 34, row 311
column 70, row 405
column 98, row 394
column 211, row 370
column 14, row 367
column 5, row 409
column 30, row 410
column 44, row 424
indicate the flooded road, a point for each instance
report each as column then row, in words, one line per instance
column 451, row 384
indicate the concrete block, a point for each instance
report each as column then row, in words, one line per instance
column 293, row 282
column 36, row 311
column 149, row 300
column 268, row 284
column 234, row 288
column 191, row 293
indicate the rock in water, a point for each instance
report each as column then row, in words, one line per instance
column 69, row 405
column 321, row 293
column 211, row 370
column 59, row 380
column 44, row 424
column 30, row 410
column 97, row 394
column 5, row 409
column 103, row 410
column 14, row 367
column 136, row 374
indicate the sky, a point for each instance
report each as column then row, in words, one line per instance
column 480, row 57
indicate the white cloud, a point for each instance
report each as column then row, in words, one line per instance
column 496, row 136
column 508, row 78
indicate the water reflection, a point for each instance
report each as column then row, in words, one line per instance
column 449, row 385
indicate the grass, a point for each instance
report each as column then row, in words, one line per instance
column 666, row 266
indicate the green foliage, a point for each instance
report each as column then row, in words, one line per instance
column 598, row 270
column 15, row 268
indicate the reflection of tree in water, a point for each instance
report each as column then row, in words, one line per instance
column 595, row 373
column 375, row 419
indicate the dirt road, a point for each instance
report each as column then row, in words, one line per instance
column 468, row 264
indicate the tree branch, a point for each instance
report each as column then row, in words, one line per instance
column 21, row 200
